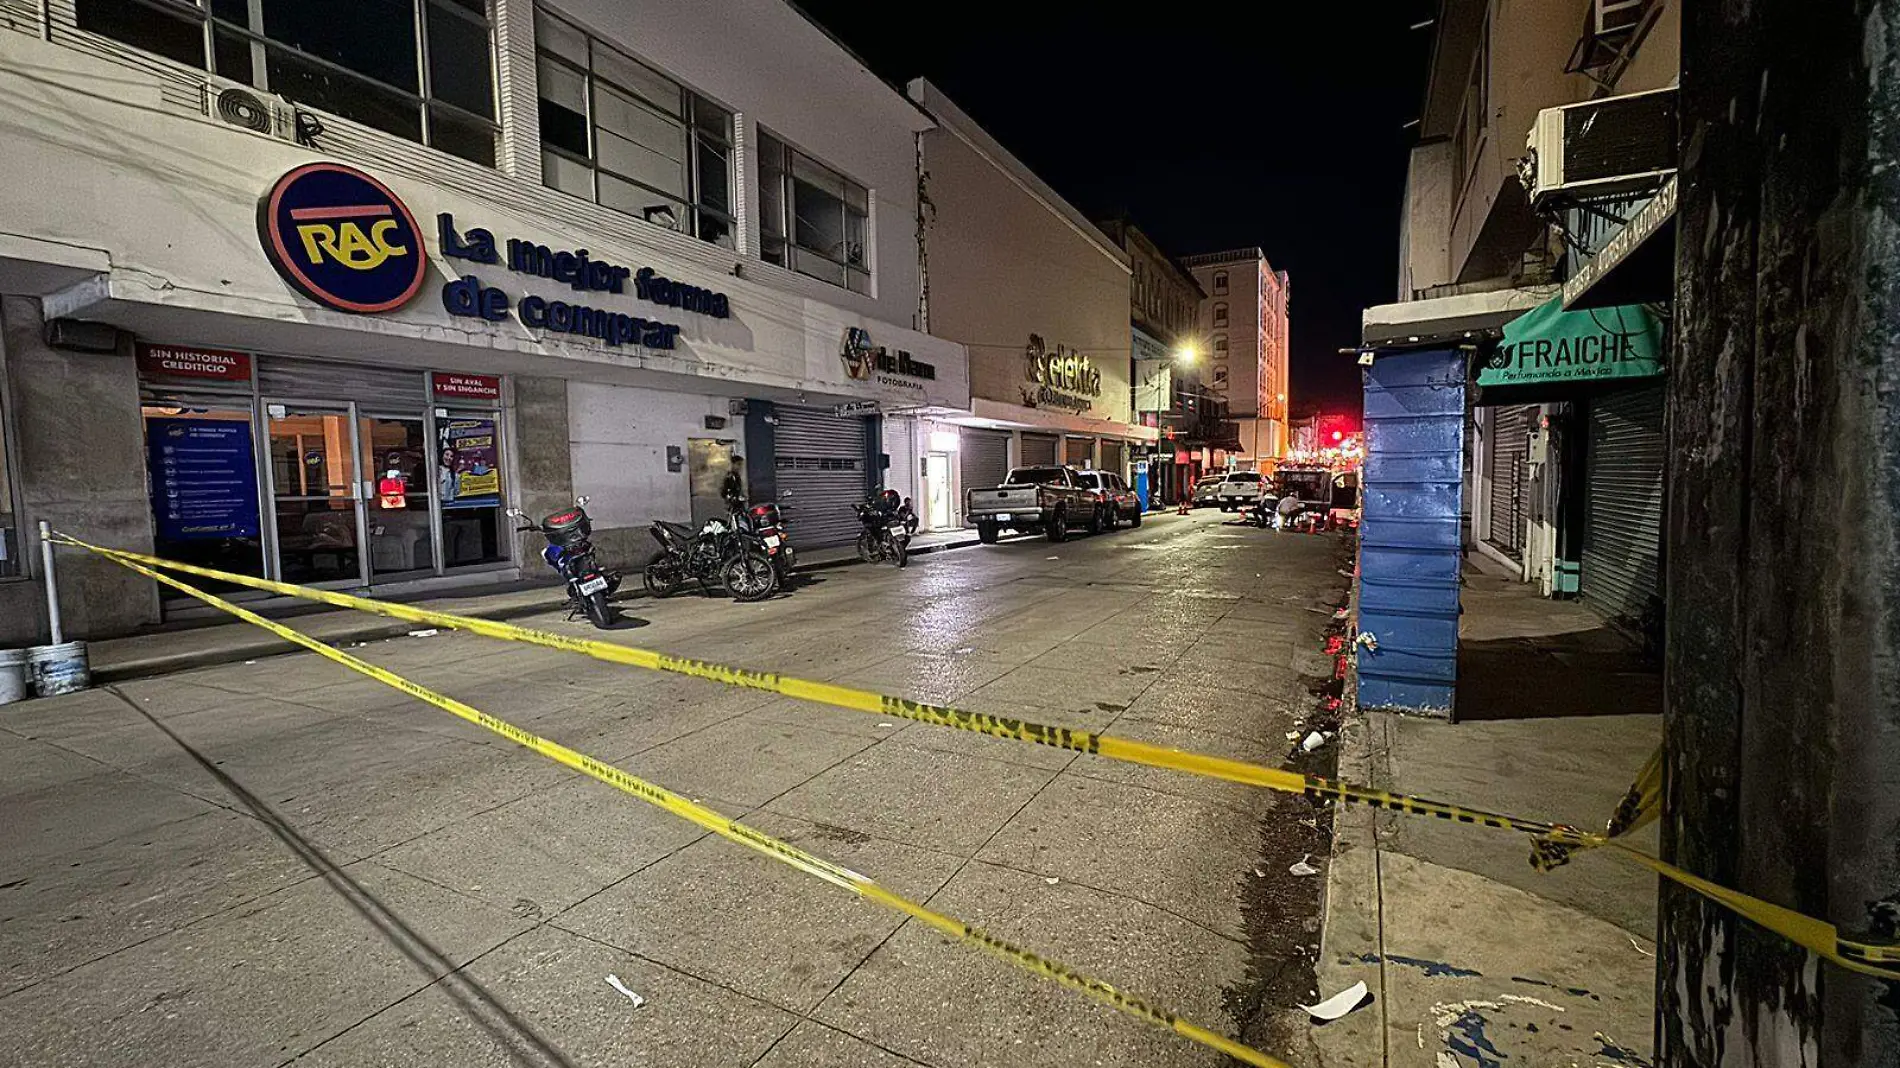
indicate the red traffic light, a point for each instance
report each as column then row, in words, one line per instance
column 1337, row 436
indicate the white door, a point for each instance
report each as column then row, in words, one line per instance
column 937, row 491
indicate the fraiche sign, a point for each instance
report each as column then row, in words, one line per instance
column 178, row 361
column 467, row 387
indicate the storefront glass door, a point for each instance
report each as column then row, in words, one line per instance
column 468, row 482
column 316, row 492
column 202, row 473
column 396, row 456
column 937, row 490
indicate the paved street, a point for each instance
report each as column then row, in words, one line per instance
column 278, row 861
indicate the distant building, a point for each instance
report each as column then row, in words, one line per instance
column 1171, row 367
column 1244, row 319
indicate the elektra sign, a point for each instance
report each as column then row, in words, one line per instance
column 1064, row 378
column 467, row 296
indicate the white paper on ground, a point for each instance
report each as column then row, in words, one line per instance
column 1301, row 867
column 1339, row 1004
column 614, row 981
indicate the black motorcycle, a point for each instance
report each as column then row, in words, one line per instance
column 764, row 522
column 886, row 535
column 722, row 550
column 570, row 552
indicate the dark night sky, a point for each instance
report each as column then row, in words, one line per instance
column 1214, row 125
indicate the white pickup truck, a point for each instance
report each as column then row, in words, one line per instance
column 1240, row 489
column 1045, row 500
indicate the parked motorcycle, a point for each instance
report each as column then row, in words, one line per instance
column 764, row 521
column 722, row 550
column 886, row 535
column 570, row 552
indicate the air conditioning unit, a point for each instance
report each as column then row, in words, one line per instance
column 236, row 104
column 1617, row 144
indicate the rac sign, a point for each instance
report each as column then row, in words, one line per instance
column 342, row 239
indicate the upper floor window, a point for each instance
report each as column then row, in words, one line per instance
column 618, row 132
column 811, row 218
column 1220, row 347
column 361, row 59
column 1474, row 113
column 1220, row 282
column 1220, row 314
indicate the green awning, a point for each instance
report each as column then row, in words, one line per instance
column 1548, row 344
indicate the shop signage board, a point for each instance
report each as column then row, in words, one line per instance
column 341, row 238
column 852, row 409
column 864, row 361
column 183, row 361
column 1063, row 378
column 454, row 386
column 1548, row 344
column 204, row 482
column 469, row 464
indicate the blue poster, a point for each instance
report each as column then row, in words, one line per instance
column 204, row 480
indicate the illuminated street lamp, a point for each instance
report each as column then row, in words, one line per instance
column 1185, row 353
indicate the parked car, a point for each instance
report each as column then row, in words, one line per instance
column 1204, row 490
column 1117, row 502
column 1240, row 489
column 1046, row 500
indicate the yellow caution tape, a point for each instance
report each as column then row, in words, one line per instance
column 1552, row 846
column 732, row 830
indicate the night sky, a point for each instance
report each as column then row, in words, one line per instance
column 1212, row 126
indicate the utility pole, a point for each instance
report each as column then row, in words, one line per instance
column 1782, row 735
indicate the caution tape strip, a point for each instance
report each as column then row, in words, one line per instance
column 1552, row 846
column 732, row 830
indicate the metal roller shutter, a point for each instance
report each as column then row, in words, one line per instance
column 295, row 379
column 1078, row 452
column 1115, row 457
column 1510, row 446
column 983, row 458
column 1623, row 505
column 1038, row 450
column 821, row 475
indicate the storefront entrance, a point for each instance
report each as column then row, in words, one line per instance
column 937, row 503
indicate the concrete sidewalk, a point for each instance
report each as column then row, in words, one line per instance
column 1474, row 959
column 172, row 649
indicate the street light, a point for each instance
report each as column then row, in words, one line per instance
column 1186, row 353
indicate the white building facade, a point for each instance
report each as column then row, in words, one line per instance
column 316, row 293
column 1244, row 319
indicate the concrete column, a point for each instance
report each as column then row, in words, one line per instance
column 81, row 467
column 1782, row 733
column 518, row 93
column 545, row 463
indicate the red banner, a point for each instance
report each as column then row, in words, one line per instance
column 180, row 361
column 467, row 387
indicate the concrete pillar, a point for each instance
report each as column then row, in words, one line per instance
column 545, row 463
column 1783, row 541
column 81, row 467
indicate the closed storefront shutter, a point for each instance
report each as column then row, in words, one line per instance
column 1078, row 452
column 983, row 459
column 1622, row 532
column 280, row 377
column 1039, row 450
column 1115, row 457
column 820, row 475
column 1510, row 445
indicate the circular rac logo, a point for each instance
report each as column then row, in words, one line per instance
column 342, row 239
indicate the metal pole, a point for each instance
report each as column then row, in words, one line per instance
column 52, row 584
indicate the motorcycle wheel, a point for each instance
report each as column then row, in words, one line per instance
column 660, row 581
column 867, row 547
column 599, row 613
column 900, row 551
column 749, row 576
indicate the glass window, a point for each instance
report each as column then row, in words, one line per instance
column 1220, row 315
column 355, row 58
column 1220, row 346
column 1220, row 282
column 620, row 133
column 813, row 219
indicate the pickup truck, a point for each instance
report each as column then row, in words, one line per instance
column 1240, row 489
column 1046, row 500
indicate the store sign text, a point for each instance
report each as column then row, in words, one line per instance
column 466, row 387
column 467, row 296
column 1064, row 378
column 862, row 360
column 175, row 361
column 342, row 238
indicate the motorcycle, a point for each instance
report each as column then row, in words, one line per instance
column 570, row 552
column 886, row 535
column 722, row 550
column 764, row 522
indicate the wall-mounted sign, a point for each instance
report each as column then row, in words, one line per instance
column 864, row 361
column 1063, row 377
column 342, row 239
column 1548, row 344
column 578, row 270
column 853, row 409
column 468, row 467
column 181, row 361
column 450, row 386
column 204, row 480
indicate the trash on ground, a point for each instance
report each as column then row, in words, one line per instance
column 430, row 633
column 1052, row 880
column 1052, row 558
column 966, row 649
column 1315, row 740
column 1367, row 639
column 1339, row 1004
column 1293, row 736
column 1301, row 867
column 614, row 981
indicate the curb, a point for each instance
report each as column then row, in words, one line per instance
column 376, row 629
